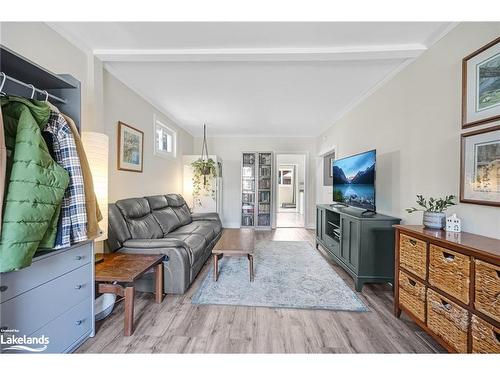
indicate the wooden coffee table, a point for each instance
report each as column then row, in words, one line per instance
column 125, row 269
column 235, row 242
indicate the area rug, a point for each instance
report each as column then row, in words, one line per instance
column 288, row 274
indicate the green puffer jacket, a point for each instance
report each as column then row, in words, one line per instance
column 35, row 184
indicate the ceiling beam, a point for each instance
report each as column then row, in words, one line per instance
column 381, row 52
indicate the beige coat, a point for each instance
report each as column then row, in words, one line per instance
column 94, row 214
column 3, row 166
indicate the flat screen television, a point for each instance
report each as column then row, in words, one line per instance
column 354, row 180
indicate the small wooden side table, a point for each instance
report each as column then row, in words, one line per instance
column 125, row 269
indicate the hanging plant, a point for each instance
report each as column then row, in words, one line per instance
column 204, row 173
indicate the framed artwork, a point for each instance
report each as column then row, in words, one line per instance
column 480, row 167
column 481, row 85
column 130, row 148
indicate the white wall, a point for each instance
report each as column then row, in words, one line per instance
column 160, row 175
column 414, row 123
column 230, row 149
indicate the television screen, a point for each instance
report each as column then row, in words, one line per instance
column 354, row 180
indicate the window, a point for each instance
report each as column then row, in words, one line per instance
column 285, row 176
column 165, row 140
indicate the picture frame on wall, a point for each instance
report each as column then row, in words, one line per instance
column 481, row 85
column 480, row 167
column 130, row 148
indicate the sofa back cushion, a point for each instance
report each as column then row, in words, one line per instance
column 180, row 208
column 140, row 221
column 163, row 213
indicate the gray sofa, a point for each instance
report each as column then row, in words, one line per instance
column 163, row 224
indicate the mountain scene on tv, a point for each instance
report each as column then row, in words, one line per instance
column 354, row 180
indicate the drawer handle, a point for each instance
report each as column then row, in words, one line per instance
column 412, row 282
column 78, row 286
column 3, row 288
column 79, row 322
column 448, row 257
column 79, row 257
column 497, row 336
column 413, row 242
column 446, row 305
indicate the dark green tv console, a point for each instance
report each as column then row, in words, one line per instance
column 363, row 245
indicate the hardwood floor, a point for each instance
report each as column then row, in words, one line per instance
column 177, row 326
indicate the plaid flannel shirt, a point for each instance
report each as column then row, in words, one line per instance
column 72, row 226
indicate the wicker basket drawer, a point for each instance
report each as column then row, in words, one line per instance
column 447, row 320
column 450, row 272
column 412, row 295
column 413, row 255
column 487, row 289
column 485, row 337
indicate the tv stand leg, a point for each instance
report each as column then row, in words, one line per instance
column 358, row 285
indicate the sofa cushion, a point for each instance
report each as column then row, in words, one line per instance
column 180, row 208
column 207, row 229
column 163, row 213
column 140, row 221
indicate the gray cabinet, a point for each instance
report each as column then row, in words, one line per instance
column 52, row 298
column 362, row 245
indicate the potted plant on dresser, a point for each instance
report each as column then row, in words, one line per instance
column 433, row 209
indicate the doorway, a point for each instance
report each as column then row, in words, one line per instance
column 290, row 190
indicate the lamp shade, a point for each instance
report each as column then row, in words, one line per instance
column 96, row 147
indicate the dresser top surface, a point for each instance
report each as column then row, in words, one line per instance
column 464, row 240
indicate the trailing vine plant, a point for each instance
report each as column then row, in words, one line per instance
column 204, row 173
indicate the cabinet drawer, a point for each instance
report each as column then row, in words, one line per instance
column 412, row 295
column 43, row 270
column 487, row 289
column 68, row 328
column 485, row 337
column 447, row 320
column 450, row 272
column 32, row 310
column 413, row 255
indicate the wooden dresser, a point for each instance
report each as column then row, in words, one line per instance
column 449, row 284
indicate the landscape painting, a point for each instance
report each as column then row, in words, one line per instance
column 488, row 90
column 130, row 145
column 354, row 180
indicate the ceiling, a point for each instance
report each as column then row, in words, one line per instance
column 254, row 78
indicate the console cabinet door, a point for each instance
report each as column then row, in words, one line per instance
column 320, row 215
column 350, row 243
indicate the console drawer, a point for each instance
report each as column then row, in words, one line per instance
column 485, row 337
column 450, row 272
column 487, row 289
column 43, row 270
column 412, row 295
column 447, row 320
column 413, row 255
column 35, row 308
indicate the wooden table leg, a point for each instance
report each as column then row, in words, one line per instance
column 159, row 282
column 216, row 267
column 250, row 263
column 129, row 311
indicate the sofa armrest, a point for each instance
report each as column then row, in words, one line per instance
column 208, row 216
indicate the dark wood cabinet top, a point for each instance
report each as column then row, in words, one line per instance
column 472, row 244
column 124, row 267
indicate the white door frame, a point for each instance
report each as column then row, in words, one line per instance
column 306, row 182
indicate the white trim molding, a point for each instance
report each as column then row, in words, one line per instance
column 381, row 52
